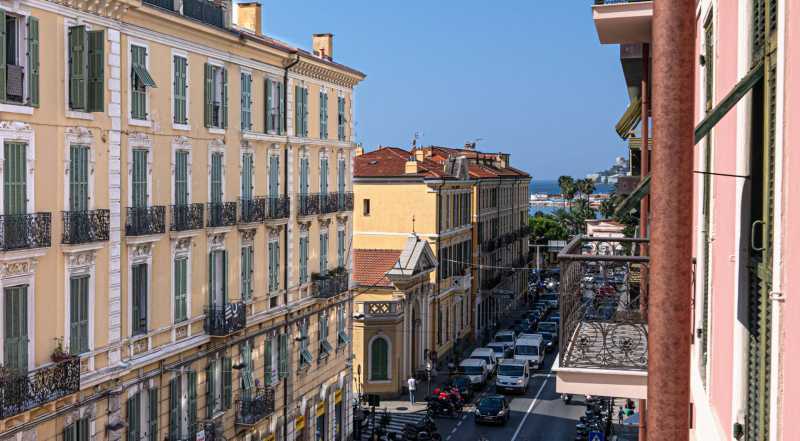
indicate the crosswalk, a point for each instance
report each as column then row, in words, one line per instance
column 396, row 425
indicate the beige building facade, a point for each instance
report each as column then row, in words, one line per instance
column 177, row 218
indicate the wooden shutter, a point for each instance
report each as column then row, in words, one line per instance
column 95, row 89
column 134, row 417
column 210, row 392
column 79, row 315
column 212, row 278
column 181, row 177
column 216, row 178
column 323, row 176
column 305, row 112
column 274, row 175
column 224, row 273
column 227, row 383
column 152, row 414
column 79, row 178
column 77, row 67
column 16, row 328
column 283, row 356
column 323, row 123
column 268, row 127
column 247, row 272
column 15, row 179
column 304, row 176
column 33, row 61
column 340, row 175
column 298, row 106
column 191, row 412
column 282, row 107
column 180, row 274
column 179, row 90
column 174, row 408
column 246, row 101
column 247, row 176
column 268, row 361
column 3, row 69
column 139, row 307
column 139, row 179
column 224, row 98
column 208, row 109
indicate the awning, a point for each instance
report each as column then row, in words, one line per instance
column 635, row 143
column 727, row 103
column 143, row 75
column 629, row 119
column 633, row 199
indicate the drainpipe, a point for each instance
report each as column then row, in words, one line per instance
column 438, row 271
column 286, row 235
column 644, row 210
column 670, row 248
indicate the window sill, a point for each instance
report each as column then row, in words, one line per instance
column 184, row 127
column 140, row 122
column 216, row 131
column 77, row 114
column 16, row 108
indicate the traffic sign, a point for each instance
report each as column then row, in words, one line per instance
column 597, row 436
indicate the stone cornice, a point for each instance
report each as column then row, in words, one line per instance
column 325, row 73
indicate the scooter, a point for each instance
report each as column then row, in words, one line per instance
column 567, row 398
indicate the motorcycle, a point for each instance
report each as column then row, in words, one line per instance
column 567, row 398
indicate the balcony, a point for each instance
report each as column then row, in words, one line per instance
column 187, row 217
column 205, row 11
column 21, row 392
column 489, row 245
column 331, row 284
column 277, row 208
column 224, row 320
column 621, row 22
column 143, row 221
column 24, row 231
column 85, row 226
column 345, row 201
column 221, row 214
column 164, row 4
column 603, row 344
column 250, row 410
column 309, row 204
column 252, row 210
column 380, row 310
column 336, row 202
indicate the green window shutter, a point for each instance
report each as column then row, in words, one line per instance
column 281, row 107
column 216, row 178
column 246, row 82
column 139, row 178
column 227, row 383
column 69, row 431
column 211, row 277
column 340, row 248
column 304, row 176
column 224, row 276
column 208, row 109
column 179, row 90
column 95, row 92
column 16, row 327
column 283, row 356
column 247, row 176
column 15, row 178
column 191, row 412
column 269, row 111
column 2, row 55
column 138, row 84
column 322, row 123
column 79, row 315
column 134, row 417
column 224, row 98
column 305, row 112
column 323, row 176
column 268, row 361
column 323, row 253
column 78, row 178
column 247, row 272
column 340, row 175
column 210, row 392
column 77, row 67
column 175, row 409
column 181, row 177
column 33, row 61
column 152, row 414
column 274, row 170
column 180, row 274
column 298, row 106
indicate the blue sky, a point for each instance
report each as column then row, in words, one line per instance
column 529, row 77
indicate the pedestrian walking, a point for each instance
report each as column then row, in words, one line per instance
column 620, row 415
column 412, row 387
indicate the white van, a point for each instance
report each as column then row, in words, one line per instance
column 512, row 375
column 487, row 355
column 475, row 369
column 530, row 349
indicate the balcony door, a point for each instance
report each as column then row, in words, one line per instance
column 217, row 271
column 15, row 338
column 15, row 199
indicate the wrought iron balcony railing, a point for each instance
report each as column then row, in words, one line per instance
column 346, row 201
column 277, row 208
column 187, row 217
column 224, row 320
column 489, row 245
column 331, row 284
column 308, row 204
column 22, row 391
column 254, row 406
column 252, row 210
column 24, row 231
column 603, row 324
column 164, row 4
column 221, row 214
column 205, row 11
column 85, row 226
column 142, row 221
column 328, row 203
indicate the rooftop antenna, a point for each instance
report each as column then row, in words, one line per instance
column 413, row 224
column 417, row 135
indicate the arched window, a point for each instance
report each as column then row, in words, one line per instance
column 379, row 359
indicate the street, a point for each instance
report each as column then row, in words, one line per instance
column 538, row 415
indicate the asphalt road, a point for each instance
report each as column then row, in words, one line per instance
column 537, row 415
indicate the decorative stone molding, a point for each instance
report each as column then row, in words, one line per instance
column 78, row 261
column 248, row 236
column 216, row 242
column 323, row 73
column 140, row 253
column 139, row 139
column 304, row 228
column 182, row 142
column 183, row 245
column 274, row 232
column 17, row 268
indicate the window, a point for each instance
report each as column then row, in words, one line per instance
column 78, row 178
column 140, row 81
column 134, row 409
column 379, row 359
column 366, row 207
column 152, row 415
column 323, row 253
column 85, row 69
column 15, row 339
column 139, row 298
column 247, row 176
column 303, row 260
column 216, row 97
column 179, row 88
column 219, row 386
column 181, row 265
column 247, row 93
column 77, row 431
column 340, row 245
column 274, row 268
column 246, row 373
column 340, row 176
column 217, row 278
column 79, row 314
column 323, row 175
column 180, row 408
column 304, row 175
column 323, row 115
column 341, row 326
column 181, row 178
column 283, row 356
column 341, row 119
column 216, row 178
column 305, row 356
column 15, row 193
column 268, row 361
column 325, row 347
column 274, row 176
column 17, row 64
column 247, row 272
column 300, row 111
column 439, row 317
column 275, row 107
column 139, row 178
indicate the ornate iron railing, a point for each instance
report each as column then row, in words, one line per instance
column 85, row 226
column 330, row 284
column 205, row 11
column 345, row 200
column 224, row 320
column 489, row 245
column 603, row 324
column 277, row 208
column 381, row 309
column 308, row 204
column 255, row 406
column 24, row 231
column 165, row 4
column 328, row 203
column 252, row 210
column 141, row 221
column 187, row 217
column 221, row 214
column 20, row 392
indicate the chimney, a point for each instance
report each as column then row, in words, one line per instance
column 248, row 16
column 411, row 167
column 359, row 151
column 322, row 44
column 419, row 154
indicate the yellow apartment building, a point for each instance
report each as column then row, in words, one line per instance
column 175, row 225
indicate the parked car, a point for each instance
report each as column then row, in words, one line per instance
column 530, row 350
column 506, row 337
column 501, row 350
column 476, row 370
column 492, row 409
column 487, row 355
column 512, row 375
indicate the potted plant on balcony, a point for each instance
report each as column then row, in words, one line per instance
column 60, row 354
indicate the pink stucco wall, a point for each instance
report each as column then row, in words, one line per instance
column 790, row 387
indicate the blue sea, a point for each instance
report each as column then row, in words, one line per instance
column 551, row 187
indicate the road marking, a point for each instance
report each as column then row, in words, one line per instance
column 448, row 437
column 528, row 412
column 453, row 431
column 464, row 418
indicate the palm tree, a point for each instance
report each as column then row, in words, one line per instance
column 568, row 188
column 585, row 187
column 607, row 208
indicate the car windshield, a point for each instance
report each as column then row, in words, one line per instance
column 472, row 370
column 492, row 403
column 549, row 327
column 498, row 349
column 461, row 382
column 503, row 338
column 486, row 358
column 527, row 350
column 510, row 370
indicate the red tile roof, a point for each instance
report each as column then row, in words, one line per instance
column 391, row 162
column 372, row 265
